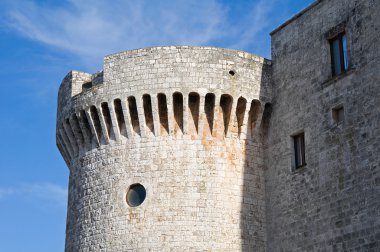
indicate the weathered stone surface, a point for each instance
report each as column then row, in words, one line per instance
column 199, row 158
column 208, row 133
column 333, row 203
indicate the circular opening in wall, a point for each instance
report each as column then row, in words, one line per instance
column 136, row 195
column 232, row 72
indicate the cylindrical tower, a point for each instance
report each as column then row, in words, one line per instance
column 164, row 148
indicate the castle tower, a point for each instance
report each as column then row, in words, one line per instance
column 165, row 151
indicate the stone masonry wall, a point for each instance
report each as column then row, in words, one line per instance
column 333, row 203
column 185, row 122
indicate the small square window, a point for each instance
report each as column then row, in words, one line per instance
column 338, row 49
column 338, row 114
column 299, row 150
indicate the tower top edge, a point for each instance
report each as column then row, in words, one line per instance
column 82, row 76
column 139, row 51
column 169, row 67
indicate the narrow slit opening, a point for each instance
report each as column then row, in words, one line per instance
column 86, row 86
column 134, row 114
column 147, row 104
column 178, row 111
column 194, row 101
column 253, row 114
column 209, row 109
column 96, row 121
column 240, row 111
column 226, row 105
column 120, row 117
column 107, row 117
column 163, row 113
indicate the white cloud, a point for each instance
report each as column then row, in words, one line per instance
column 92, row 29
column 44, row 192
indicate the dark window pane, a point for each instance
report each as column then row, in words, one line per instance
column 339, row 56
column 336, row 57
column 299, row 150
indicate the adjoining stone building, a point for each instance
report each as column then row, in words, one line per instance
column 184, row 148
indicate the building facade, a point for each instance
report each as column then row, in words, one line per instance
column 184, row 148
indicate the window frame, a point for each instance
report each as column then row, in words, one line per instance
column 299, row 145
column 343, row 57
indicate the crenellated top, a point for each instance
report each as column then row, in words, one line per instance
column 202, row 92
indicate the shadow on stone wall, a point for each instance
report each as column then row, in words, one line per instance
column 253, row 214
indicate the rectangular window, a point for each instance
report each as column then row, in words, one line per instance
column 338, row 48
column 299, row 150
column 338, row 114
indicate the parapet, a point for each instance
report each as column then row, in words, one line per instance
column 162, row 92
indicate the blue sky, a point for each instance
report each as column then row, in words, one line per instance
column 42, row 40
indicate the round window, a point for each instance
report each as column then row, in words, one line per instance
column 136, row 195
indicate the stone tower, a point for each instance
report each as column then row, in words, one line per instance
column 207, row 149
column 164, row 148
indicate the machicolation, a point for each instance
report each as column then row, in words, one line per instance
column 118, row 121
